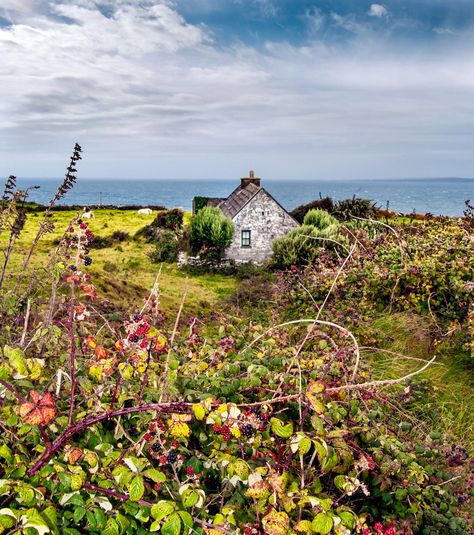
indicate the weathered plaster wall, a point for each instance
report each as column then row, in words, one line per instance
column 267, row 221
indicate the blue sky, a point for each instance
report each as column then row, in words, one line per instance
column 211, row 88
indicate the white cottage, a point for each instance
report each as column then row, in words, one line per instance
column 258, row 220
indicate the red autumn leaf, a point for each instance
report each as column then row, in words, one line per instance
column 73, row 455
column 72, row 279
column 89, row 290
column 101, row 352
column 40, row 411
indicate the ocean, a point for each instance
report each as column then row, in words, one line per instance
column 438, row 196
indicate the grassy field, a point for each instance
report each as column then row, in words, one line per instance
column 123, row 272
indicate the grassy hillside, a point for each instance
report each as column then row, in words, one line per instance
column 123, row 271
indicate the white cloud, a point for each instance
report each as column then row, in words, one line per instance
column 377, row 10
column 149, row 94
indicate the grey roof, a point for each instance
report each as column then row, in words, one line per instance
column 238, row 199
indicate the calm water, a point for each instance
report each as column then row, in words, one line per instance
column 438, row 196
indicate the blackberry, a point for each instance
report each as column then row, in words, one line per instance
column 172, row 457
column 156, row 447
column 247, row 430
column 87, row 261
column 73, row 268
column 137, row 317
column 133, row 338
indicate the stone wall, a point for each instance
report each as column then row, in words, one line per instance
column 266, row 220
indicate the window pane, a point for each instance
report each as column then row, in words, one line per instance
column 245, row 238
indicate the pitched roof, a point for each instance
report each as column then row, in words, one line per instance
column 238, row 199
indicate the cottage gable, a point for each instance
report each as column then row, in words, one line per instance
column 258, row 220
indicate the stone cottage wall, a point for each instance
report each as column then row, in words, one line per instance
column 266, row 220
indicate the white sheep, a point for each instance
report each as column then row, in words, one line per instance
column 145, row 211
column 87, row 213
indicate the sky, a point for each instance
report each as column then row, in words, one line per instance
column 323, row 89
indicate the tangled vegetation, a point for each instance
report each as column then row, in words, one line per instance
column 147, row 424
column 320, row 232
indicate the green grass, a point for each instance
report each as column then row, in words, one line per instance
column 449, row 402
column 128, row 273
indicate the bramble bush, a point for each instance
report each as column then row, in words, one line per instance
column 130, row 426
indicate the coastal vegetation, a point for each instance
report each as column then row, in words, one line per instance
column 331, row 396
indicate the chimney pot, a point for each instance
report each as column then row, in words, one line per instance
column 251, row 179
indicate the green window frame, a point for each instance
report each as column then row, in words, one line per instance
column 246, row 238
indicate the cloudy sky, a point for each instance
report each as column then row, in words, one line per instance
column 211, row 88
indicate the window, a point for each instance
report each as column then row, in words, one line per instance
column 245, row 238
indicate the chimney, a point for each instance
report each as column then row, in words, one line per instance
column 251, row 179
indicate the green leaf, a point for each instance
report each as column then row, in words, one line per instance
column 199, row 411
column 172, row 526
column 187, row 519
column 401, row 494
column 6, row 453
column 339, row 482
column 136, row 488
column 348, row 519
column 100, row 518
column 6, row 521
column 51, row 516
column 281, row 430
column 4, row 373
column 111, row 528
column 322, row 524
column 17, row 360
column 190, row 498
column 161, row 509
column 123, row 522
column 155, row 475
column 155, row 526
column 76, row 482
column 33, row 519
column 303, row 526
column 79, row 514
column 26, row 495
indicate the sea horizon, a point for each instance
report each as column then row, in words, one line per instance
column 439, row 196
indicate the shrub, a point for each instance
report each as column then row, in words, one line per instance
column 211, row 231
column 169, row 219
column 303, row 245
column 299, row 212
column 319, row 218
column 166, row 247
column 348, row 208
column 166, row 219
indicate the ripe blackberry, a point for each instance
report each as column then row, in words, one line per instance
column 247, row 430
column 155, row 448
column 73, row 268
column 133, row 338
column 172, row 457
column 138, row 317
column 87, row 260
